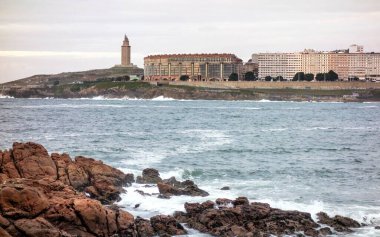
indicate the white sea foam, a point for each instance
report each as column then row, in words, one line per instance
column 150, row 205
column 162, row 98
column 274, row 130
column 6, row 97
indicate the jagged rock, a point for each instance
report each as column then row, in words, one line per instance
column 42, row 195
column 8, row 167
column 144, row 228
column 21, row 201
column 223, row 202
column 142, row 193
column 339, row 223
column 245, row 219
column 325, row 231
column 240, row 201
column 38, row 227
column 4, row 233
column 162, row 196
column 33, row 161
column 172, row 187
column 166, row 226
column 225, row 188
column 106, row 181
column 377, row 227
column 149, row 176
column 4, row 222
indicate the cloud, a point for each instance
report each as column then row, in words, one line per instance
column 243, row 27
column 58, row 54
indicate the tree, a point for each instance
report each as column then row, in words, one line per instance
column 320, row 77
column 299, row 76
column 278, row 78
column 233, row 77
column 268, row 78
column 309, row 77
column 249, row 76
column 56, row 83
column 332, row 76
column 184, row 78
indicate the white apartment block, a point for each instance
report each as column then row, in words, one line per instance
column 279, row 64
column 347, row 64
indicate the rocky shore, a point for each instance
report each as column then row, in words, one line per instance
column 54, row 195
column 145, row 90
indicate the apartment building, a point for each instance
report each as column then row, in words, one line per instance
column 348, row 64
column 198, row 67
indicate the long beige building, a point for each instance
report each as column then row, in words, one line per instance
column 348, row 64
column 198, row 67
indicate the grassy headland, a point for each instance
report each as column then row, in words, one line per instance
column 106, row 83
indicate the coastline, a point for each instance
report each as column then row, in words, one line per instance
column 54, row 195
column 191, row 91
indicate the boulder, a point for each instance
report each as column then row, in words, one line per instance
column 105, row 182
column 144, row 227
column 166, row 226
column 339, row 223
column 21, row 201
column 149, row 176
column 42, row 195
column 172, row 187
column 245, row 219
column 33, row 161
column 8, row 168
column 38, row 227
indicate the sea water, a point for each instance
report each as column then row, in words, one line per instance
column 293, row 155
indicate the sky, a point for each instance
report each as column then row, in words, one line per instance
column 53, row 36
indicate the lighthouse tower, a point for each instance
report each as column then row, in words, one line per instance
column 125, row 52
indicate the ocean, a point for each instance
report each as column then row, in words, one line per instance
column 293, row 155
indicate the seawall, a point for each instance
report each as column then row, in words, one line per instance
column 279, row 85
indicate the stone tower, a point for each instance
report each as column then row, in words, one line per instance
column 126, row 52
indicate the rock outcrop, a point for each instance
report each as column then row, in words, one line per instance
column 169, row 187
column 172, row 187
column 54, row 196
column 149, row 176
column 243, row 219
column 339, row 223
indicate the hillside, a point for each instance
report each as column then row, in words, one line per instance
column 41, row 81
column 111, row 83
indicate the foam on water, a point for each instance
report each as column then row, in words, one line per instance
column 6, row 97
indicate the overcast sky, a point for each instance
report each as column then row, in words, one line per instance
column 52, row 36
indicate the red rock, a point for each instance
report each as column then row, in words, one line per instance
column 144, row 228
column 149, row 176
column 4, row 233
column 4, row 222
column 8, row 167
column 339, row 223
column 61, row 162
column 37, row 227
column 78, row 177
column 93, row 215
column 33, row 161
column 166, row 225
column 190, row 190
column 21, row 201
column 126, row 223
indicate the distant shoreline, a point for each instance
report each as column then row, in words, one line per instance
column 111, row 83
column 191, row 91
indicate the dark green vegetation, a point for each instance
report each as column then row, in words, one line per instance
column 233, row 77
column 250, row 76
column 184, row 78
column 330, row 76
